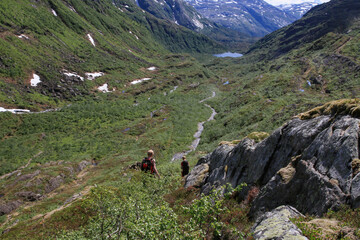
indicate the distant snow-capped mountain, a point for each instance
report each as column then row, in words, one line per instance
column 176, row 11
column 182, row 13
column 298, row 10
column 253, row 17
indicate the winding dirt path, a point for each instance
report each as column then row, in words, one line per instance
column 197, row 135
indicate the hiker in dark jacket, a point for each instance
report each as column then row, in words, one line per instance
column 184, row 167
column 149, row 164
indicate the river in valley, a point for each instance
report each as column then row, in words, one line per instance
column 197, row 135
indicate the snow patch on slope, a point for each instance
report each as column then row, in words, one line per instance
column 73, row 74
column 54, row 12
column 23, row 36
column 140, row 81
column 198, row 24
column 91, row 40
column 105, row 88
column 14, row 110
column 35, row 80
column 92, row 76
column 151, row 68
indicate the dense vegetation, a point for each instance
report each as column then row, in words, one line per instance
column 114, row 130
column 126, row 39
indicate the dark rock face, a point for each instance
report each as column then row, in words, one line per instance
column 305, row 163
column 29, row 196
column 54, row 183
column 8, row 207
column 28, row 176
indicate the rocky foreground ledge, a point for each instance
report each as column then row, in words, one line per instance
column 310, row 163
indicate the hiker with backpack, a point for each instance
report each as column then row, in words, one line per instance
column 184, row 167
column 148, row 164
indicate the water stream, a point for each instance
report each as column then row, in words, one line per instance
column 197, row 135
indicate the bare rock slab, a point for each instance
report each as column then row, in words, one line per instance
column 197, row 176
column 277, row 225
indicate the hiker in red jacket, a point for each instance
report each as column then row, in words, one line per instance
column 148, row 164
column 184, row 167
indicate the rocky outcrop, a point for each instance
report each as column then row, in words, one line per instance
column 8, row 207
column 309, row 164
column 355, row 191
column 277, row 225
column 54, row 183
column 197, row 176
column 28, row 176
column 29, row 196
column 323, row 176
column 36, row 185
column 82, row 165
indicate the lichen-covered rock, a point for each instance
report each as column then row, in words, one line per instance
column 308, row 191
column 355, row 165
column 277, row 225
column 255, row 163
column 197, row 176
column 323, row 177
column 309, row 164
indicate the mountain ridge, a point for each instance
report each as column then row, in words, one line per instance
column 253, row 17
column 342, row 14
column 182, row 13
column 298, row 10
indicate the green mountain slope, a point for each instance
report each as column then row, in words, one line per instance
column 46, row 158
column 50, row 38
column 69, row 173
column 332, row 17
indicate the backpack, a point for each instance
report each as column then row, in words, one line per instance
column 147, row 165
